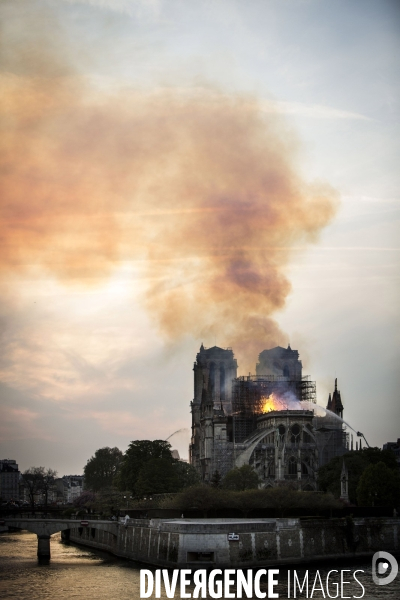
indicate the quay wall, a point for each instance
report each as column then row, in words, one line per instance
column 205, row 543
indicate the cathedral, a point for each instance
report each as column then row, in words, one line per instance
column 269, row 420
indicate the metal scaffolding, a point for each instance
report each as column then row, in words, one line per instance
column 251, row 392
column 307, row 390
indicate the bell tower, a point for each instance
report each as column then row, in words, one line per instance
column 217, row 368
column 214, row 370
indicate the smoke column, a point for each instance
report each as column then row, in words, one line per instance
column 199, row 188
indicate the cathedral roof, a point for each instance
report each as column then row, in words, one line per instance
column 279, row 352
column 215, row 351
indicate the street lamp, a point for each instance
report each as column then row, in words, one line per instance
column 127, row 500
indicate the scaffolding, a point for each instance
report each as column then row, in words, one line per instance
column 307, row 390
column 332, row 438
column 250, row 393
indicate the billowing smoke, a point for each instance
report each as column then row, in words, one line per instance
column 200, row 189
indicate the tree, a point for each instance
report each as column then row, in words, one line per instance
column 241, row 478
column 108, row 501
column 157, row 476
column 48, row 479
column 187, row 474
column 282, row 498
column 356, row 463
column 318, row 501
column 86, row 500
column 378, row 486
column 138, row 453
column 248, row 500
column 200, row 497
column 216, row 479
column 38, row 480
column 32, row 479
column 101, row 469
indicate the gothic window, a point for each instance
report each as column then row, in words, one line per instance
column 295, row 434
column 281, row 432
column 222, row 382
column 271, row 469
column 292, row 466
column 212, row 379
column 307, row 439
column 286, row 371
column 305, row 466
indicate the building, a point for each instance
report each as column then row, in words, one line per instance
column 332, row 438
column 73, row 485
column 214, row 372
column 394, row 447
column 9, row 480
column 280, row 362
column 67, row 488
column 335, row 402
column 268, row 420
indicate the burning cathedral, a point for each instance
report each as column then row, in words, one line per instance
column 269, row 420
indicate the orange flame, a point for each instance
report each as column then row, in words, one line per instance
column 272, row 402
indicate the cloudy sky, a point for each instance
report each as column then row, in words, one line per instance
column 185, row 171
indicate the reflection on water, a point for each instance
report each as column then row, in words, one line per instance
column 71, row 573
column 74, row 572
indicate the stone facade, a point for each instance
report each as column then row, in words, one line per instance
column 280, row 362
column 214, row 372
column 288, row 450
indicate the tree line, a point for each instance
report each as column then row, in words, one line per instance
column 373, row 477
column 38, row 481
column 147, row 467
column 114, row 479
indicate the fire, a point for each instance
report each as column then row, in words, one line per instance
column 285, row 401
column 272, row 402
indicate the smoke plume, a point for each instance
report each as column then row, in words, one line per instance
column 200, row 188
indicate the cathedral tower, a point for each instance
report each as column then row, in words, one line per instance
column 280, row 362
column 214, row 371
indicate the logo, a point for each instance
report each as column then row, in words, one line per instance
column 381, row 561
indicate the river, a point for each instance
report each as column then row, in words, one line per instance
column 75, row 572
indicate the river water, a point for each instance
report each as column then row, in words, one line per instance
column 75, row 572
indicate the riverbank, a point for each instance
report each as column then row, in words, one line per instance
column 224, row 543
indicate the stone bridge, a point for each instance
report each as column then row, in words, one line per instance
column 44, row 528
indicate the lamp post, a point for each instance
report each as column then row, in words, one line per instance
column 127, row 500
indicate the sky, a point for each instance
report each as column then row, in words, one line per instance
column 178, row 172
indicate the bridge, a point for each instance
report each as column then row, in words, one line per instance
column 44, row 528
